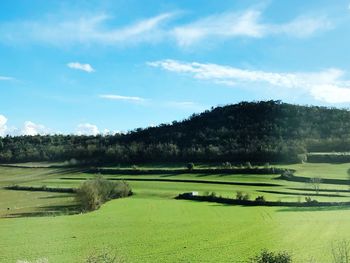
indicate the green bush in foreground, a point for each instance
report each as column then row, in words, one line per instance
column 270, row 257
column 93, row 193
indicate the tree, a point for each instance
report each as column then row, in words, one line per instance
column 315, row 184
column 266, row 256
column 190, row 166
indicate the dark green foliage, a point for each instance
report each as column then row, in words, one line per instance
column 270, row 257
column 267, row 131
column 239, row 195
column 41, row 189
column 93, row 193
column 242, row 196
column 260, row 199
column 246, row 197
column 190, row 166
column 309, row 200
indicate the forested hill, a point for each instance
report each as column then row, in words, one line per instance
column 267, row 131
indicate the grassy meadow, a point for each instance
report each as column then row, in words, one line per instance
column 151, row 226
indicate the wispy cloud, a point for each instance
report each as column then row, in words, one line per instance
column 93, row 29
column 328, row 85
column 245, row 24
column 179, row 105
column 100, row 29
column 79, row 66
column 123, row 98
column 6, row 78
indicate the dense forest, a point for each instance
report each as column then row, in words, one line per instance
column 266, row 131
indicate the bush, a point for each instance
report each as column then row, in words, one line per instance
column 190, row 166
column 227, row 165
column 242, row 196
column 239, row 195
column 271, row 257
column 248, row 165
column 309, row 200
column 246, row 197
column 267, row 165
column 93, row 193
column 260, row 198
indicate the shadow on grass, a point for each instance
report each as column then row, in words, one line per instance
column 314, row 209
column 300, row 194
column 56, row 196
column 179, row 181
column 71, row 170
column 169, row 175
column 54, row 210
column 322, row 190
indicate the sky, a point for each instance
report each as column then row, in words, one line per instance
column 100, row 67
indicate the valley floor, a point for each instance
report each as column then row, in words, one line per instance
column 151, row 226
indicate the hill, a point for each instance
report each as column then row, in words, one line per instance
column 266, row 131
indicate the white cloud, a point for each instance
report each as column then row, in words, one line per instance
column 328, row 85
column 3, row 126
column 79, row 66
column 93, row 29
column 6, row 78
column 124, row 98
column 87, row 129
column 244, row 24
column 30, row 128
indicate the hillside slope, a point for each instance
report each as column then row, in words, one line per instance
column 267, row 131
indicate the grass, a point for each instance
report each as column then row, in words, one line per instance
column 153, row 227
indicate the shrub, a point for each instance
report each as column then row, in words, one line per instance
column 248, row 165
column 287, row 174
column 93, row 193
column 267, row 165
column 246, row 197
column 260, row 198
column 190, row 166
column 242, row 196
column 309, row 200
column 239, row 195
column 266, row 256
column 227, row 165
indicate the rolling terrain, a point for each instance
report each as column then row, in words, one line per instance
column 152, row 226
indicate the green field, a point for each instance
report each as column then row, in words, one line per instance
column 151, row 226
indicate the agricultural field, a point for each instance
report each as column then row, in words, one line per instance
column 151, row 226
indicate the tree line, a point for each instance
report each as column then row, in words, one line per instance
column 265, row 131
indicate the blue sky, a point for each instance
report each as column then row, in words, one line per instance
column 89, row 67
